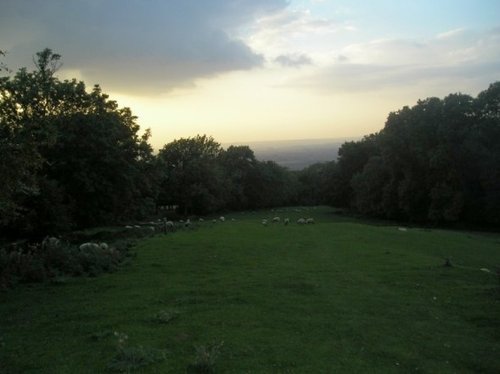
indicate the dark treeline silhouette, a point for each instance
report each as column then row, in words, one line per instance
column 437, row 162
column 70, row 158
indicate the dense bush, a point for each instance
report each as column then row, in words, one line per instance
column 30, row 263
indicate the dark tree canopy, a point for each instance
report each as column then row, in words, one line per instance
column 70, row 158
column 438, row 161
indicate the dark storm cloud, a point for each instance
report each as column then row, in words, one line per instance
column 135, row 46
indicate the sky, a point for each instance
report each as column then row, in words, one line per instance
column 254, row 70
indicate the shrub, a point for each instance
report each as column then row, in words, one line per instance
column 36, row 263
column 130, row 358
column 205, row 358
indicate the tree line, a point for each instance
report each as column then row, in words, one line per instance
column 437, row 162
column 72, row 158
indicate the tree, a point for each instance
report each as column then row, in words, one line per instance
column 434, row 162
column 352, row 158
column 72, row 157
column 240, row 170
column 24, row 109
column 191, row 175
column 313, row 186
column 369, row 187
column 3, row 67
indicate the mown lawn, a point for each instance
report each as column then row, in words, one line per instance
column 339, row 296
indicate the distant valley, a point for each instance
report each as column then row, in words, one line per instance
column 297, row 154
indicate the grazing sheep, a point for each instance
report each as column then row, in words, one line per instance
column 89, row 247
column 129, row 227
column 264, row 222
column 214, row 221
column 276, row 219
column 50, row 242
column 232, row 219
column 310, row 220
column 103, row 246
column 201, row 220
column 286, row 221
column 301, row 221
column 402, row 229
column 187, row 223
column 169, row 224
column 222, row 218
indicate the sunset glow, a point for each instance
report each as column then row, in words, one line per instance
column 262, row 70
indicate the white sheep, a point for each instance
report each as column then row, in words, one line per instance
column 169, row 224
column 89, row 246
column 310, row 220
column 201, row 220
column 264, row 222
column 214, row 221
column 187, row 223
column 128, row 227
column 103, row 246
column 301, row 221
column 222, row 218
column 286, row 221
column 50, row 242
column 276, row 219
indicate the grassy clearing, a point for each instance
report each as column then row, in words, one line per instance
column 337, row 296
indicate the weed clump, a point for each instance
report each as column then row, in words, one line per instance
column 165, row 316
column 131, row 358
column 206, row 356
column 447, row 262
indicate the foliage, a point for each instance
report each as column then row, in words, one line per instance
column 33, row 263
column 200, row 177
column 69, row 157
column 435, row 162
column 191, row 175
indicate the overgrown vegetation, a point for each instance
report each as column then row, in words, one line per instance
column 56, row 259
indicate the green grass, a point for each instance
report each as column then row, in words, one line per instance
column 338, row 296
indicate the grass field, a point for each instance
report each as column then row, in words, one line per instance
column 339, row 296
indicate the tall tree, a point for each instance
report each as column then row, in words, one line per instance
column 191, row 175
column 74, row 157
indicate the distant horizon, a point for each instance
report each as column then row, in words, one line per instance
column 303, row 140
column 262, row 143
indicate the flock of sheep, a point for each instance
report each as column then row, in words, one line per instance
column 164, row 225
column 286, row 221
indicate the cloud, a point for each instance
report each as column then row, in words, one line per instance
column 293, row 60
column 450, row 60
column 286, row 30
column 131, row 46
